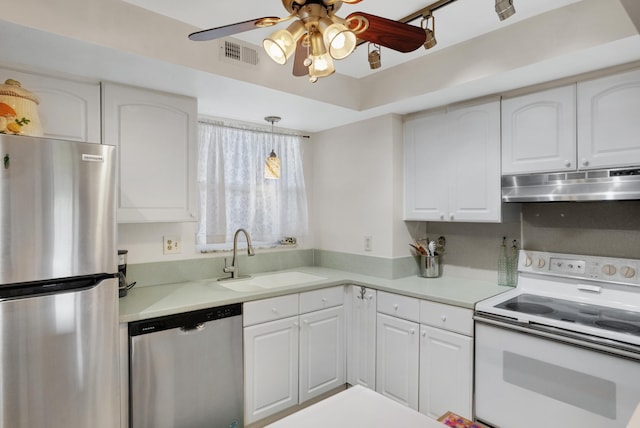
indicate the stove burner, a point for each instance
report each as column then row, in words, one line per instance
column 619, row 326
column 528, row 308
column 539, row 299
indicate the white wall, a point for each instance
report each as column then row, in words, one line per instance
column 357, row 187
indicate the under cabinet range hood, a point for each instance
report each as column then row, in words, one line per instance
column 595, row 185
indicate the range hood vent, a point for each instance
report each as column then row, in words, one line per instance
column 596, row 185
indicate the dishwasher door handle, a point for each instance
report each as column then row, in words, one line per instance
column 190, row 328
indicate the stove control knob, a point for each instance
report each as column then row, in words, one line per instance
column 627, row 271
column 608, row 269
column 528, row 262
column 540, row 262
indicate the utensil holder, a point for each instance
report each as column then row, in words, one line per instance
column 430, row 266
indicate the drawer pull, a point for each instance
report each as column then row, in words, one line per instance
column 443, row 318
column 395, row 307
column 274, row 310
column 412, row 331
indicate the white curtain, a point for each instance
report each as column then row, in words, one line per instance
column 234, row 193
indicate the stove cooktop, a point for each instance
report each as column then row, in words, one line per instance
column 602, row 317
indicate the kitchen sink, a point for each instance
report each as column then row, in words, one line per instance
column 269, row 281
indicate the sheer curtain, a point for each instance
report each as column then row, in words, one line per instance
column 234, row 192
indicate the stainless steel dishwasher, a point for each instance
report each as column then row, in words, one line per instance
column 186, row 370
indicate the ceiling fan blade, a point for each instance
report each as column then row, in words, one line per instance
column 391, row 34
column 228, row 30
column 299, row 69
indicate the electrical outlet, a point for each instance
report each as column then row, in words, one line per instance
column 368, row 243
column 171, row 244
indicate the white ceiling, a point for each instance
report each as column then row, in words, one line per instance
column 116, row 41
column 456, row 22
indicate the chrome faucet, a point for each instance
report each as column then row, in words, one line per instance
column 234, row 269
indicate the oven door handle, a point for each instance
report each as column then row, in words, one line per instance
column 586, row 341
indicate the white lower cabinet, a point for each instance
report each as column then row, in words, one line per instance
column 416, row 352
column 446, row 372
column 397, row 360
column 271, row 367
column 322, row 352
column 291, row 360
column 361, row 337
column 446, row 360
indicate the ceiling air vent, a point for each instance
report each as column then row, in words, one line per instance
column 234, row 52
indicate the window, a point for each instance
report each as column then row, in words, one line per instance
column 234, row 192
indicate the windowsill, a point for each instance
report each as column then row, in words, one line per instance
column 257, row 246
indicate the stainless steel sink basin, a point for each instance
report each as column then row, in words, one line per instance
column 270, row 281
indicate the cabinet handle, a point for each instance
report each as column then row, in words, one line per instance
column 443, row 318
column 370, row 297
column 567, row 163
column 441, row 216
column 395, row 307
column 274, row 310
column 585, row 162
column 412, row 331
column 295, row 324
column 324, row 300
column 424, row 333
column 306, row 322
column 450, row 216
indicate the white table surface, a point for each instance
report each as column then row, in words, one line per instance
column 357, row 407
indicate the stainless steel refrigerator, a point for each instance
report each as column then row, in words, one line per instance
column 58, row 286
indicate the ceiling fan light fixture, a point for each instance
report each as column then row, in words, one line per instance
column 339, row 40
column 282, row 43
column 321, row 61
column 505, row 9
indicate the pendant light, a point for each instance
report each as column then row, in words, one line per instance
column 272, row 164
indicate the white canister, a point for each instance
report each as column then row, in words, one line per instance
column 18, row 110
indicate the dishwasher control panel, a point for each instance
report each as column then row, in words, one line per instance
column 187, row 320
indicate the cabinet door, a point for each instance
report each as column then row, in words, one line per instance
column 322, row 352
column 271, row 368
column 155, row 134
column 68, row 109
column 608, row 125
column 426, row 154
column 473, row 173
column 539, row 131
column 446, row 373
column 397, row 360
column 361, row 343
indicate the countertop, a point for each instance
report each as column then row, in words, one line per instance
column 357, row 407
column 158, row 300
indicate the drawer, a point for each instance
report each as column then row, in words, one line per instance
column 399, row 306
column 447, row 317
column 260, row 311
column 320, row 299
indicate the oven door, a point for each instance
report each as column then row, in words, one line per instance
column 524, row 381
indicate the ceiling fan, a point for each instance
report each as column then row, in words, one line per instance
column 318, row 35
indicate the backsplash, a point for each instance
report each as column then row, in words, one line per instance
column 609, row 229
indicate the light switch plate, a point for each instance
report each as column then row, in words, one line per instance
column 171, row 244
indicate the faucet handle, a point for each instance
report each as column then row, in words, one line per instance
column 228, row 269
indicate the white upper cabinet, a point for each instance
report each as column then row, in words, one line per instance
column 539, row 131
column 591, row 125
column 452, row 165
column 156, row 138
column 609, row 121
column 68, row 109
